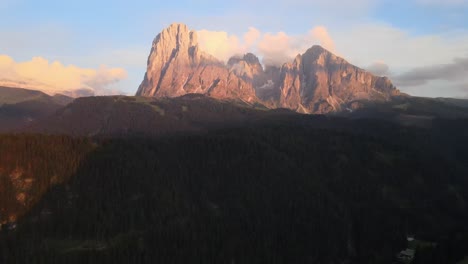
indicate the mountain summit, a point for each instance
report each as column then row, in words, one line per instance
column 315, row 82
column 177, row 66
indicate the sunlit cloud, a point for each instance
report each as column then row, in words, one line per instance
column 274, row 48
column 54, row 77
column 219, row 44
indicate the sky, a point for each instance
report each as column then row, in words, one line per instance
column 101, row 47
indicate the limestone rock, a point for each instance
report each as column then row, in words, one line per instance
column 315, row 82
column 247, row 67
column 176, row 66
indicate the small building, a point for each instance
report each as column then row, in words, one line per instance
column 406, row 256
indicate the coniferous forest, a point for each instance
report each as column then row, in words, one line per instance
column 275, row 192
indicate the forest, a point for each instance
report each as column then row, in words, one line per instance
column 273, row 192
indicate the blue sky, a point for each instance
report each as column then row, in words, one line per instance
column 415, row 42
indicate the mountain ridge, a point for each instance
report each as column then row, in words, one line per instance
column 20, row 107
column 316, row 82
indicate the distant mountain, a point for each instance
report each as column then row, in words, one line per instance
column 315, row 82
column 123, row 115
column 454, row 101
column 195, row 113
column 20, row 107
column 320, row 82
column 409, row 110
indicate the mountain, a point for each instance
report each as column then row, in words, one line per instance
column 19, row 107
column 11, row 95
column 320, row 82
column 214, row 164
column 177, row 66
column 123, row 115
column 315, row 82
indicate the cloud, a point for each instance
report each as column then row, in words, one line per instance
column 365, row 44
column 418, row 64
column 379, row 68
column 321, row 34
column 219, row 44
column 453, row 72
column 251, row 37
column 381, row 49
column 54, row 77
column 275, row 48
column 464, row 89
column 279, row 48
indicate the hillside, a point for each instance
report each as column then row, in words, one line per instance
column 20, row 107
column 267, row 192
column 122, row 115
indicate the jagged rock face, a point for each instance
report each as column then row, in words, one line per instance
column 320, row 82
column 291, row 85
column 269, row 89
column 248, row 66
column 176, row 66
column 315, row 82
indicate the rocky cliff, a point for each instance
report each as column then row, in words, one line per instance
column 320, row 82
column 177, row 66
column 315, row 82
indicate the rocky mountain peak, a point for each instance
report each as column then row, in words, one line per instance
column 177, row 66
column 316, row 81
column 317, row 54
column 247, row 66
column 251, row 59
column 318, row 49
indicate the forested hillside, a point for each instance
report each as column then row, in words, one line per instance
column 279, row 192
column 30, row 165
column 21, row 107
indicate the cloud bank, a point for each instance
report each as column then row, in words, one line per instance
column 387, row 50
column 54, row 77
column 452, row 72
column 379, row 68
column 274, row 48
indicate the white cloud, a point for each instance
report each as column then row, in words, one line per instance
column 277, row 49
column 274, row 48
column 379, row 68
column 417, row 64
column 366, row 43
column 388, row 50
column 321, row 34
column 219, row 44
column 54, row 77
column 251, row 37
